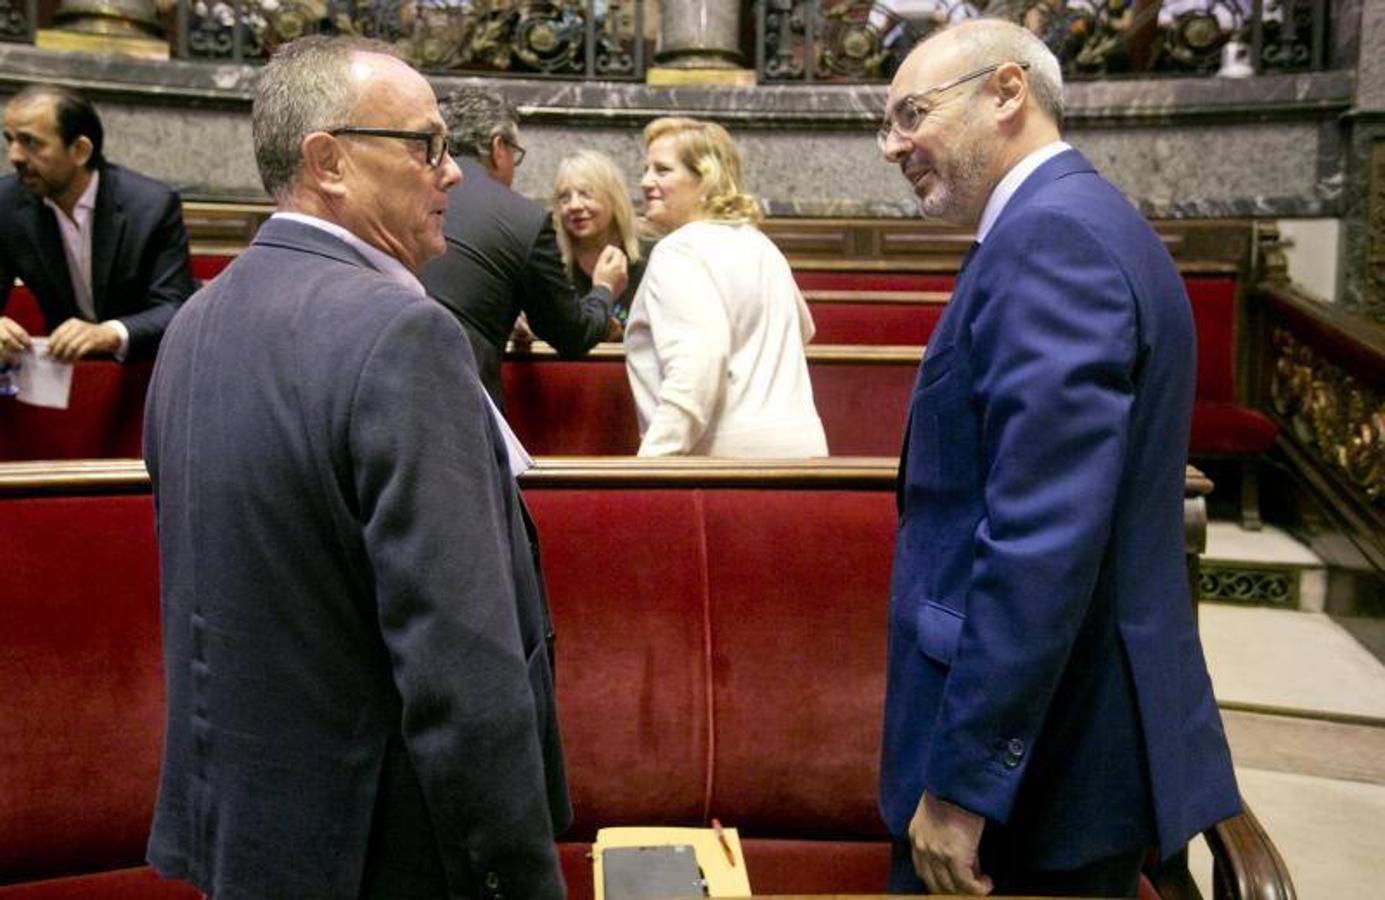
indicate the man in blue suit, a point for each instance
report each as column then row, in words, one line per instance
column 360, row 700
column 1048, row 714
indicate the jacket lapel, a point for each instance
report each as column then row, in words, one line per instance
column 107, row 231
column 47, row 242
column 1066, row 163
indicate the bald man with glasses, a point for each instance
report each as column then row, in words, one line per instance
column 1048, row 715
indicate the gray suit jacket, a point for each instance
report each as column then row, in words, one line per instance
column 360, row 702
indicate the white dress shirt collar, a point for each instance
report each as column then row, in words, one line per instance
column 1017, row 175
column 379, row 260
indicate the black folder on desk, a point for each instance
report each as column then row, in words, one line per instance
column 651, row 873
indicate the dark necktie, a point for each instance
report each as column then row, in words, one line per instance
column 966, row 260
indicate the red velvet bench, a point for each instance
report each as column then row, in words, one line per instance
column 584, row 407
column 721, row 646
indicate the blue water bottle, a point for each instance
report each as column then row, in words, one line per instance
column 9, row 378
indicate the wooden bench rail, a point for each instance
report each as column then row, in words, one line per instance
column 864, row 354
column 909, row 298
column 1245, row 863
column 78, row 476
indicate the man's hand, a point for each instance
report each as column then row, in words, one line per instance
column 522, row 335
column 944, row 839
column 14, row 340
column 75, row 339
column 610, row 271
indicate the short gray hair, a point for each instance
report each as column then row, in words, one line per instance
column 475, row 117
column 992, row 40
column 306, row 87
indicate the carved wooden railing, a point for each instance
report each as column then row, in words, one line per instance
column 1322, row 377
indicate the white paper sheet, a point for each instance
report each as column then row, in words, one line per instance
column 520, row 460
column 43, row 380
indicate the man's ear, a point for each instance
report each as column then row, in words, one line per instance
column 324, row 163
column 1012, row 89
column 81, row 150
column 492, row 160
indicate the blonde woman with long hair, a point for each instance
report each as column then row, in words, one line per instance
column 592, row 211
column 714, row 344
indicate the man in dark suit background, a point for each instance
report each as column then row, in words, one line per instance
column 102, row 248
column 360, row 699
column 1048, row 713
column 502, row 254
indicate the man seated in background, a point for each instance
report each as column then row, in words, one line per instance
column 102, row 248
column 502, row 253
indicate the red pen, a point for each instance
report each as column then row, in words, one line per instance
column 725, row 844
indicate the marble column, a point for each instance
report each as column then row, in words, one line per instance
column 699, row 43
column 1364, row 216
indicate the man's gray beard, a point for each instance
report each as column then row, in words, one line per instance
column 956, row 200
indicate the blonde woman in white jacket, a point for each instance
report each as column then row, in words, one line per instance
column 714, row 344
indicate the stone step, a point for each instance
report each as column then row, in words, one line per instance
column 1261, row 568
column 1346, row 748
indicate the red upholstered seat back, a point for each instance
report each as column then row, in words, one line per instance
column 626, row 578
column 720, row 653
column 81, row 712
column 863, row 405
column 584, row 407
column 1214, row 315
column 799, row 592
column 810, row 280
column 874, row 323
column 207, row 266
column 571, row 407
column 23, row 308
column 104, row 418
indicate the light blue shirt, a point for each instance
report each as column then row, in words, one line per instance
column 1017, row 175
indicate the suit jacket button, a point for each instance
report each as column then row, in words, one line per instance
column 1014, row 752
column 492, row 882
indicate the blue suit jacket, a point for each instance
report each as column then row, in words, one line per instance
column 1044, row 666
column 140, row 272
column 360, row 701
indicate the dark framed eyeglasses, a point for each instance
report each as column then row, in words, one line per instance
column 434, row 142
column 516, row 150
column 911, row 109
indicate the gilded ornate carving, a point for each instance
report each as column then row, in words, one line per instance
column 1338, row 419
column 541, row 36
column 14, row 21
column 853, row 40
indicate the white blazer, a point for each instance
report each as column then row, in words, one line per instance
column 714, row 349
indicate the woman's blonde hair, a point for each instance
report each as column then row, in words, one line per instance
column 709, row 152
column 598, row 174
